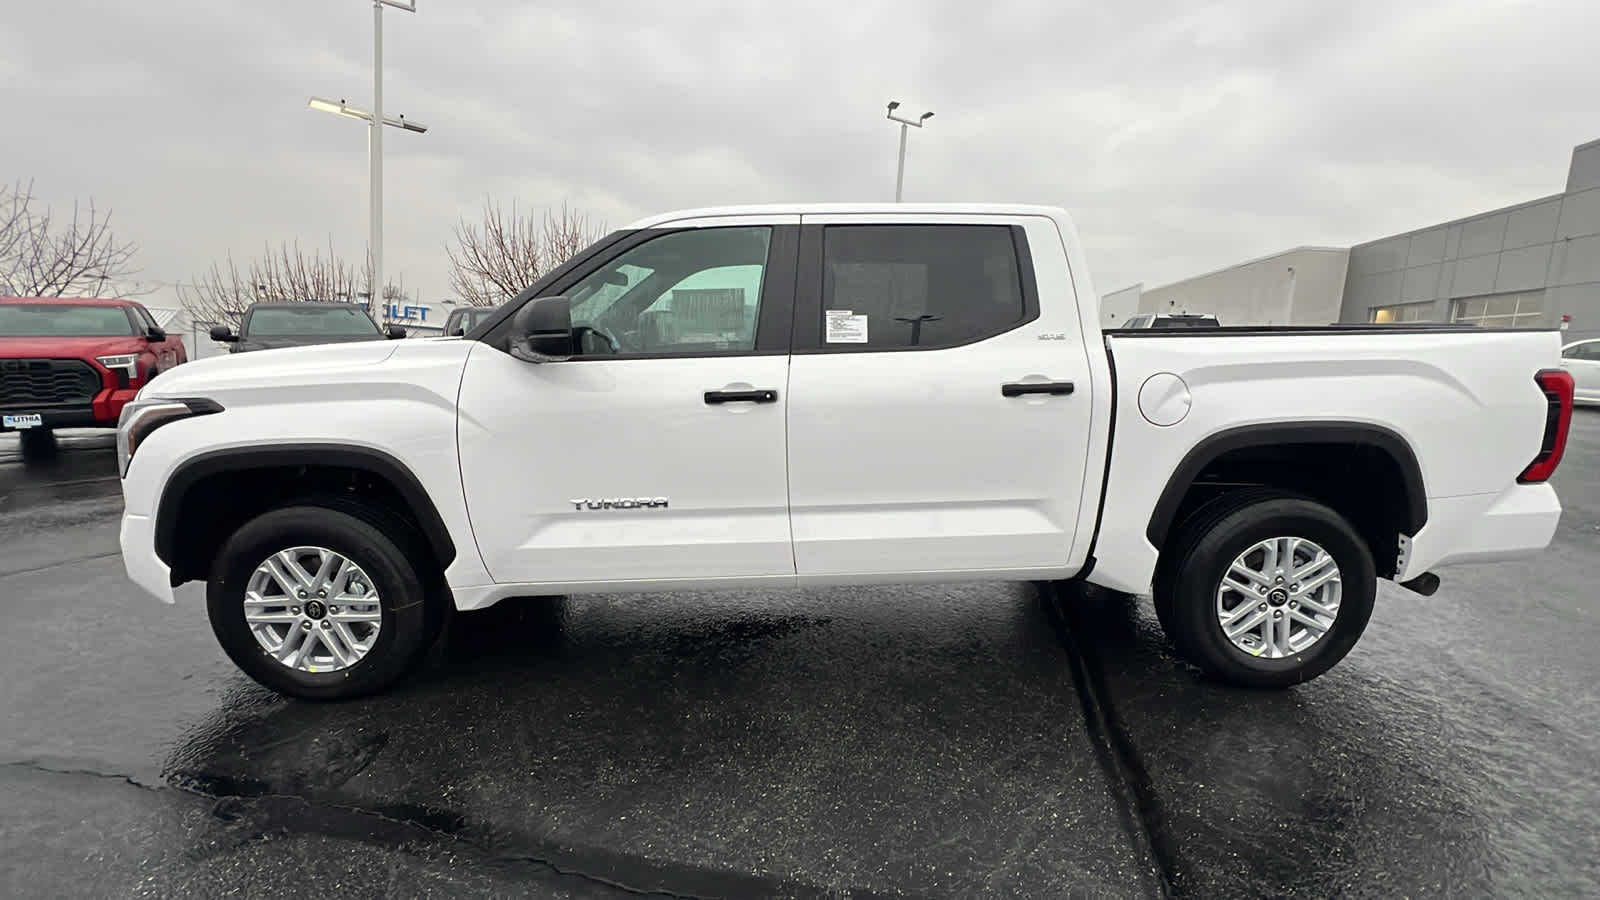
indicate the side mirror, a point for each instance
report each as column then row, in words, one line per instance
column 156, row 333
column 541, row 331
column 223, row 334
column 395, row 332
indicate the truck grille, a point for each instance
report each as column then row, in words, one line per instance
column 47, row 382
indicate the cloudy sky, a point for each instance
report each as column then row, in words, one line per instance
column 1183, row 135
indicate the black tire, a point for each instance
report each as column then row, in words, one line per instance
column 37, row 444
column 409, row 603
column 1180, row 542
column 1202, row 549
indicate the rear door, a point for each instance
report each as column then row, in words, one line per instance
column 938, row 413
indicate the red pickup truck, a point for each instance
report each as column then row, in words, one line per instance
column 73, row 363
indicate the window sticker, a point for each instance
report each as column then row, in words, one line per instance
column 845, row 327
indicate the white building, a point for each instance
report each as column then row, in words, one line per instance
column 1117, row 306
column 1303, row 286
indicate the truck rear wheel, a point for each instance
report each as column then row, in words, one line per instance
column 1265, row 589
column 321, row 603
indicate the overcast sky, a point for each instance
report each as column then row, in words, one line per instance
column 1182, row 135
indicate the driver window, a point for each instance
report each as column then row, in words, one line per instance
column 692, row 291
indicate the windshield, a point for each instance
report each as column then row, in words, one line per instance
column 63, row 320
column 308, row 320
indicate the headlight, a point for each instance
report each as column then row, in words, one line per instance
column 140, row 417
column 129, row 361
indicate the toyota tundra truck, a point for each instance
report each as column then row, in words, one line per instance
column 778, row 397
column 73, row 363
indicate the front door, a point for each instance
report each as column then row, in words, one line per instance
column 657, row 453
column 938, row 415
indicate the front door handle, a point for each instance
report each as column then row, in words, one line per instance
column 1018, row 388
column 761, row 396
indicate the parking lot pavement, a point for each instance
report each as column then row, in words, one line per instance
column 962, row 740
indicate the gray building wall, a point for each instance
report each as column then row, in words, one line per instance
column 1303, row 286
column 1524, row 265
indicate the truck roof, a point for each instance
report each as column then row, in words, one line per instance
column 885, row 208
column 81, row 301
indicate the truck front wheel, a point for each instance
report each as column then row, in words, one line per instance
column 1266, row 589
column 321, row 603
column 38, row 444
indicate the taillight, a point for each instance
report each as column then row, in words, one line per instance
column 1557, row 386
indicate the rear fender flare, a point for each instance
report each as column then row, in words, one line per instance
column 1327, row 433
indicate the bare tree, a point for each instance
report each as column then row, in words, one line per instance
column 41, row 256
column 285, row 275
column 494, row 260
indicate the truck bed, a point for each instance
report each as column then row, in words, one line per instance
column 1462, row 398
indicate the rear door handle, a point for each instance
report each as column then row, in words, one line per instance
column 762, row 396
column 1018, row 388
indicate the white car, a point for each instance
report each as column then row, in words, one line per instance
column 781, row 396
column 1582, row 359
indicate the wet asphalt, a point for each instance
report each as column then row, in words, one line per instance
column 953, row 741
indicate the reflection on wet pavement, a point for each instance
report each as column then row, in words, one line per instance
column 730, row 745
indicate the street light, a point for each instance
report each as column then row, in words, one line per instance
column 341, row 108
column 375, row 135
column 900, row 170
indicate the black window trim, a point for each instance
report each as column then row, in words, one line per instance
column 773, row 312
column 807, row 327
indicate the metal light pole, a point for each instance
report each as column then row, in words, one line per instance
column 375, row 137
column 900, row 170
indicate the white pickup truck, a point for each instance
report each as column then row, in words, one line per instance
column 835, row 394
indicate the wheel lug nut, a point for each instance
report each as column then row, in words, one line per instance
column 326, row 624
column 322, row 593
column 333, row 609
column 1280, row 579
column 1278, row 614
column 1293, row 604
column 1263, row 607
column 304, row 595
column 306, row 625
column 294, row 610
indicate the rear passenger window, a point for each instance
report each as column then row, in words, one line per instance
column 891, row 287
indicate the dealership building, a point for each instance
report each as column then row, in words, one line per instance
column 1534, row 264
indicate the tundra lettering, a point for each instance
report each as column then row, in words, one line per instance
column 849, row 394
column 621, row 503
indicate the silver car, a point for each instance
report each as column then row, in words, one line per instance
column 1582, row 359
